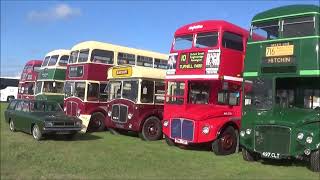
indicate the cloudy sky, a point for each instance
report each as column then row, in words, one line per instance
column 30, row 29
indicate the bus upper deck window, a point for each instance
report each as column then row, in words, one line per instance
column 298, row 27
column 83, row 56
column 53, row 60
column 73, row 57
column 267, row 30
column 63, row 60
column 204, row 40
column 183, row 42
column 102, row 56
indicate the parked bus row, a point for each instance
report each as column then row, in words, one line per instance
column 258, row 90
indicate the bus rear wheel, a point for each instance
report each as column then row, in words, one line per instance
column 97, row 122
column 226, row 143
column 9, row 98
column 151, row 129
column 315, row 161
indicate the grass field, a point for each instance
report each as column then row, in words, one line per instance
column 105, row 156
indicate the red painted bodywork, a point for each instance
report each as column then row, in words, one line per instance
column 28, row 76
column 92, row 72
column 140, row 113
column 231, row 65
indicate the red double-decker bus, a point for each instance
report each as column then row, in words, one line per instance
column 28, row 79
column 203, row 85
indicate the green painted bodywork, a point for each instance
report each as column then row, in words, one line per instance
column 25, row 120
column 307, row 64
column 51, row 75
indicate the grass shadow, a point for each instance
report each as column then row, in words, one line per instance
column 285, row 162
column 77, row 137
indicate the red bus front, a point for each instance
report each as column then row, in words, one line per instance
column 28, row 79
column 203, row 85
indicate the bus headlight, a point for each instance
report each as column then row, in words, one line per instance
column 309, row 139
column 78, row 112
column 109, row 113
column 205, row 129
column 65, row 109
column 130, row 116
column 248, row 131
column 78, row 123
column 300, row 136
column 165, row 123
column 48, row 124
column 242, row 133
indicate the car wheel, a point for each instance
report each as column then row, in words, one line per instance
column 315, row 161
column 151, row 129
column 249, row 156
column 11, row 126
column 36, row 133
column 226, row 143
column 10, row 98
column 97, row 122
column 113, row 131
column 169, row 141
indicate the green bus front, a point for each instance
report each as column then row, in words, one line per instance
column 50, row 84
column 281, row 109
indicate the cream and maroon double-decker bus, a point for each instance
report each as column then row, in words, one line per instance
column 136, row 97
column 86, row 79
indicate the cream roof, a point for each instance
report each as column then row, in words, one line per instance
column 58, row 52
column 117, row 48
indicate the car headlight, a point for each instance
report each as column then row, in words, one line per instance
column 165, row 123
column 300, row 136
column 78, row 123
column 248, row 131
column 309, row 139
column 242, row 133
column 205, row 129
column 109, row 113
column 130, row 116
column 48, row 124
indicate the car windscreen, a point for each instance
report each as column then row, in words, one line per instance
column 41, row 106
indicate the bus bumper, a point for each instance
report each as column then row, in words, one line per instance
column 85, row 122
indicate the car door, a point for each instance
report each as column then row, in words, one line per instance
column 26, row 117
column 16, row 115
column 8, row 114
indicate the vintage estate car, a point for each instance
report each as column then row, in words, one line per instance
column 39, row 118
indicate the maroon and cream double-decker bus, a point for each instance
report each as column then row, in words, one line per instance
column 28, row 79
column 86, row 80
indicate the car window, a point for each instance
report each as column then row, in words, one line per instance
column 25, row 106
column 19, row 106
column 12, row 104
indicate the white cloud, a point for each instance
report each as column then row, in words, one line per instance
column 60, row 11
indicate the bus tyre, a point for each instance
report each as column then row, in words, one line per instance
column 226, row 143
column 12, row 126
column 97, row 122
column 315, row 161
column 169, row 141
column 36, row 133
column 248, row 156
column 151, row 129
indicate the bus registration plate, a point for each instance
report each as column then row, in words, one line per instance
column 274, row 51
column 180, row 141
column 271, row 155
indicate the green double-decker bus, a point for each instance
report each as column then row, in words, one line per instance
column 52, row 76
column 281, row 108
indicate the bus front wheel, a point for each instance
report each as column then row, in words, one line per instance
column 97, row 122
column 226, row 143
column 315, row 161
column 248, row 156
column 151, row 129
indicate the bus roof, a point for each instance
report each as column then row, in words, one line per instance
column 127, row 71
column 202, row 26
column 34, row 62
column 111, row 47
column 58, row 52
column 286, row 11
